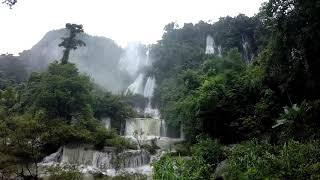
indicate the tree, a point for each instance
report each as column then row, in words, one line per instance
column 61, row 91
column 10, row 3
column 12, row 71
column 25, row 137
column 71, row 42
column 293, row 65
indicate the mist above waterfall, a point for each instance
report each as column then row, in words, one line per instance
column 134, row 58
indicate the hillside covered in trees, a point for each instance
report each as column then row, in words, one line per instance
column 269, row 102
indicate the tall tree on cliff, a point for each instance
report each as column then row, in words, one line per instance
column 10, row 3
column 71, row 42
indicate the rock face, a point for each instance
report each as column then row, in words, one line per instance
column 101, row 160
column 99, row 58
column 54, row 157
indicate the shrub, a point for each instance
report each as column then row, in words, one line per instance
column 299, row 121
column 206, row 155
column 120, row 143
column 210, row 150
column 293, row 160
column 176, row 167
column 63, row 173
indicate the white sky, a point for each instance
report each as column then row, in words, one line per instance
column 121, row 20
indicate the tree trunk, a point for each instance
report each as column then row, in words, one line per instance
column 65, row 57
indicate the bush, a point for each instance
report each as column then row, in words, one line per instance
column 183, row 149
column 120, row 143
column 63, row 173
column 299, row 121
column 293, row 160
column 210, row 150
column 206, row 155
column 176, row 167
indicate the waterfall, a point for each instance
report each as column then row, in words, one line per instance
column 134, row 158
column 219, row 51
column 148, row 93
column 107, row 122
column 248, row 56
column 163, row 129
column 151, row 112
column 102, row 160
column 210, row 45
column 182, row 135
column 148, row 126
column 137, row 86
column 78, row 156
column 133, row 61
column 151, row 125
column 148, row 63
column 149, row 87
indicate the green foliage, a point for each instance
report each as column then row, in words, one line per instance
column 206, row 154
column 54, row 108
column 119, row 143
column 116, row 107
column 210, row 151
column 294, row 57
column 258, row 160
column 224, row 98
column 63, row 173
column 8, row 163
column 137, row 100
column 299, row 121
column 169, row 167
column 61, row 92
column 21, row 143
column 12, row 71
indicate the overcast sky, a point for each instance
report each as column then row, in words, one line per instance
column 121, row 20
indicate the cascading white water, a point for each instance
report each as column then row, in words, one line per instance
column 151, row 112
column 148, row 126
column 107, row 122
column 210, row 45
column 78, row 156
column 248, row 56
column 151, row 125
column 219, row 51
column 137, row 86
column 148, row 93
column 101, row 160
column 148, row 63
column 149, row 87
column 163, row 128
